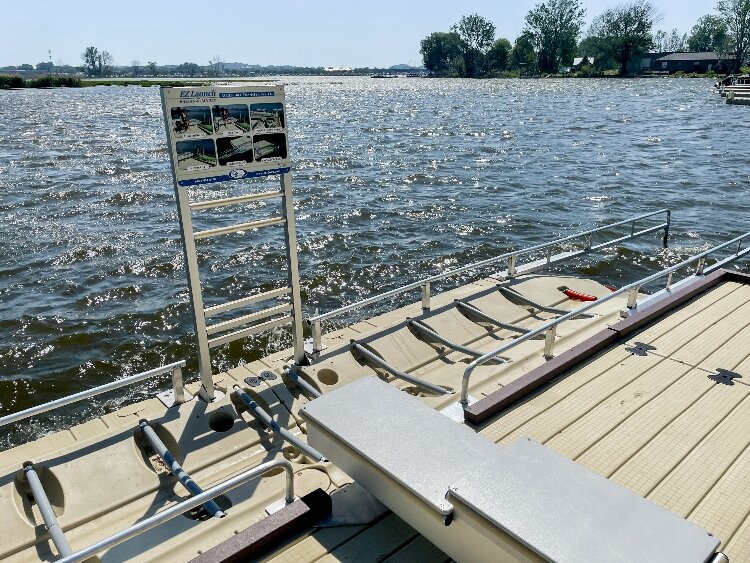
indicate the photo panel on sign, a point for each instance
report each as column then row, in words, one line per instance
column 231, row 119
column 269, row 147
column 197, row 154
column 191, row 122
column 234, row 151
column 267, row 117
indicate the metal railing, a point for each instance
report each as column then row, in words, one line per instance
column 182, row 507
column 513, row 267
column 550, row 327
column 177, row 387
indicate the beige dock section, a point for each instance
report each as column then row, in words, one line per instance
column 101, row 479
column 665, row 413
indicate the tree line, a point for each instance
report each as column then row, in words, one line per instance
column 553, row 35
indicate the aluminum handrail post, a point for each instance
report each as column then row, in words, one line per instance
column 178, row 387
column 701, row 265
column 426, row 296
column 48, row 514
column 63, row 401
column 317, row 335
column 669, row 280
column 588, row 242
column 633, row 298
column 632, row 228
column 176, row 510
column 665, row 240
column 511, row 265
column 549, row 342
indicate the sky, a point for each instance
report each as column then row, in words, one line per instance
column 374, row 33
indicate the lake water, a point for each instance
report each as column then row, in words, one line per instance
column 394, row 180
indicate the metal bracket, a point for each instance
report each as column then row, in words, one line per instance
column 168, row 400
column 455, row 411
column 265, row 375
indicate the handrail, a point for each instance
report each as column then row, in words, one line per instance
column 511, row 257
column 175, row 368
column 182, row 507
column 633, row 288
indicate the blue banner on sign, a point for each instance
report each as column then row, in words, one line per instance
column 237, row 174
column 245, row 94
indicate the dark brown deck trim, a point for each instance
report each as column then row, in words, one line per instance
column 272, row 531
column 528, row 383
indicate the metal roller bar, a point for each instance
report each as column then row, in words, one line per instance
column 469, row 309
column 236, row 304
column 226, row 325
column 264, row 418
column 236, row 228
column 48, row 515
column 309, row 390
column 180, row 508
column 421, row 383
column 174, row 466
column 214, row 203
column 514, row 295
column 427, row 331
column 90, row 393
column 255, row 329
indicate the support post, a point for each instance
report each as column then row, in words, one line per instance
column 633, row 298
column 665, row 240
column 426, row 296
column 177, row 386
column 549, row 342
column 291, row 248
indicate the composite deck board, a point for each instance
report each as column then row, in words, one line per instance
column 419, row 550
column 374, row 543
column 596, row 424
column 317, row 544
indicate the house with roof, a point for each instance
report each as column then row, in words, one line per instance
column 691, row 62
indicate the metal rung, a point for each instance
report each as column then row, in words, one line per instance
column 213, row 203
column 265, row 296
column 511, row 294
column 236, row 228
column 45, row 508
column 470, row 309
column 426, row 330
column 264, row 418
column 426, row 385
column 226, row 325
column 187, row 481
column 214, row 342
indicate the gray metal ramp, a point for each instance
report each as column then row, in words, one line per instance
column 472, row 498
column 565, row 512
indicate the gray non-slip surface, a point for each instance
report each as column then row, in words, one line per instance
column 565, row 512
column 418, row 447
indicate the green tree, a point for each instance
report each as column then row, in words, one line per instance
column 478, row 36
column 555, row 26
column 523, row 56
column 151, row 67
column 624, row 32
column 736, row 16
column 708, row 34
column 498, row 57
column 191, row 69
column 90, row 60
column 670, row 42
column 442, row 53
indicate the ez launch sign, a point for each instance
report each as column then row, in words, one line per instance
column 217, row 134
